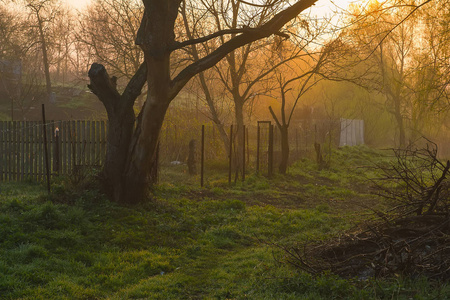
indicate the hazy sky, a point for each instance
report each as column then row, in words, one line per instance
column 321, row 7
column 78, row 4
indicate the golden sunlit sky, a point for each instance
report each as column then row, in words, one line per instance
column 78, row 4
column 322, row 7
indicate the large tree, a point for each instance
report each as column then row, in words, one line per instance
column 386, row 38
column 293, row 81
column 132, row 146
column 245, row 71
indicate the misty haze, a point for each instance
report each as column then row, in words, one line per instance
column 230, row 149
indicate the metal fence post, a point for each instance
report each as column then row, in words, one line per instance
column 230, row 154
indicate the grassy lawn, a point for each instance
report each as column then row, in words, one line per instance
column 191, row 243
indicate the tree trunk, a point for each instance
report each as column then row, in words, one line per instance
column 400, row 123
column 142, row 158
column 215, row 115
column 139, row 177
column 401, row 131
column 284, row 149
column 120, row 127
column 239, row 115
column 48, row 82
column 223, row 136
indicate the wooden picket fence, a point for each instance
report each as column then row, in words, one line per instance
column 71, row 145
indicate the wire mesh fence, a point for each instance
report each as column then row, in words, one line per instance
column 82, row 144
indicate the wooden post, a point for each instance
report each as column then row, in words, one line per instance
column 88, row 143
column 83, row 143
column 2, row 143
column 258, row 139
column 270, row 155
column 45, row 148
column 230, row 154
column 22, row 149
column 243, row 153
column 248, row 148
column 36, row 142
column 14, row 151
column 202, row 161
column 56, row 163
column 27, row 149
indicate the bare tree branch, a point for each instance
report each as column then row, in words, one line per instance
column 271, row 27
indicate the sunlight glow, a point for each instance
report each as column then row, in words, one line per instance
column 78, row 4
column 324, row 8
column 321, row 8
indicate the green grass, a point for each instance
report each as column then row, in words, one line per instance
column 4, row 117
column 188, row 242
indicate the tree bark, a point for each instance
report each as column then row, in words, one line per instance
column 120, row 126
column 283, row 126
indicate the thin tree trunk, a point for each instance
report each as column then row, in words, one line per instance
column 239, row 115
column 400, row 123
column 284, row 149
column 48, row 82
column 214, row 113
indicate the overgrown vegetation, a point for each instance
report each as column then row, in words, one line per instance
column 409, row 239
column 192, row 243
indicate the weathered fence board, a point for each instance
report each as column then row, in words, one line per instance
column 80, row 143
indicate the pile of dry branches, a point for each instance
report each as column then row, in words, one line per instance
column 413, row 238
column 416, row 183
column 411, row 246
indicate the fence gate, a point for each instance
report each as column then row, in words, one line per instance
column 264, row 148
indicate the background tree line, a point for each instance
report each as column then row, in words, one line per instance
column 383, row 62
